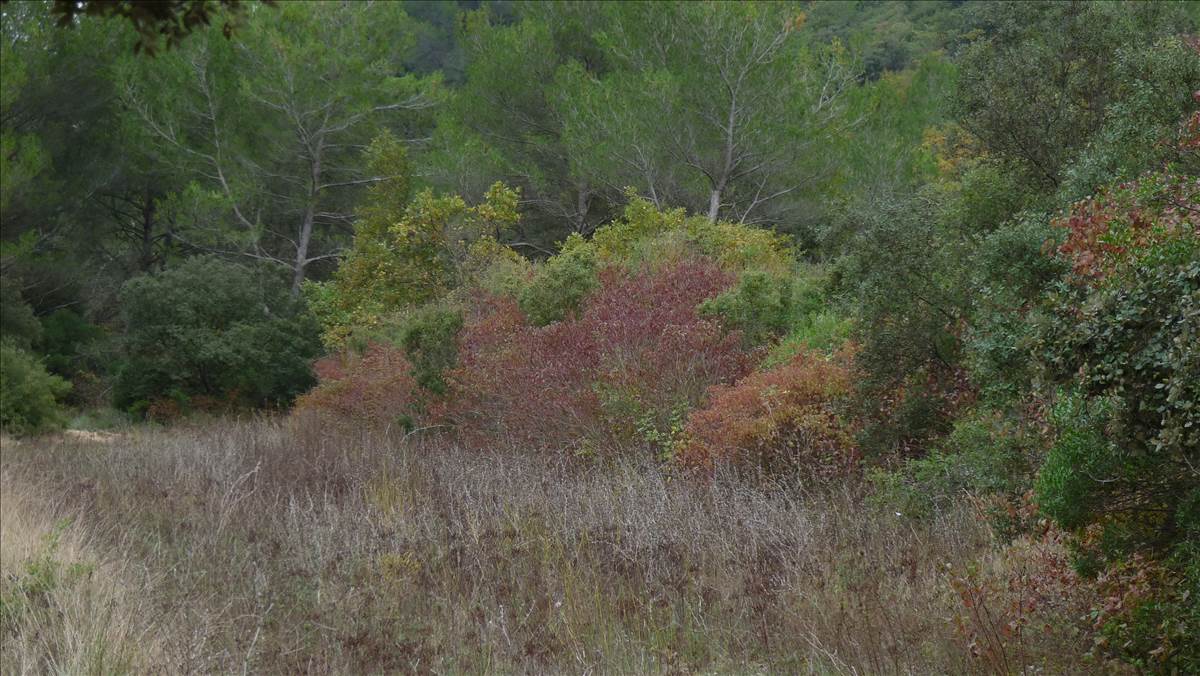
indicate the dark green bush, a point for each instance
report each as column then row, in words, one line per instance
column 1012, row 268
column 29, row 397
column 430, row 341
column 1020, row 79
column 18, row 325
column 216, row 329
column 561, row 284
column 65, row 335
column 986, row 454
column 1073, row 484
column 760, row 306
column 1158, row 83
column 1129, row 442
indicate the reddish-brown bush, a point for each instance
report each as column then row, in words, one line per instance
column 518, row 380
column 1022, row 601
column 636, row 351
column 374, row 390
column 782, row 419
column 164, row 410
column 1108, row 231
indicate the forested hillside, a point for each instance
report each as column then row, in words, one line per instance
column 827, row 337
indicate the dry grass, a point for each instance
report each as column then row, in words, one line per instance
column 278, row 551
column 65, row 608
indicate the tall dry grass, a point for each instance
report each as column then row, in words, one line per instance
column 65, row 606
column 272, row 549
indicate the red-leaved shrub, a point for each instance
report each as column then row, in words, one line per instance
column 516, row 380
column 1109, row 230
column 778, row 420
column 636, row 351
column 373, row 390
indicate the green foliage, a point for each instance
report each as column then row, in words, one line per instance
column 1078, row 482
column 648, row 236
column 1140, row 129
column 274, row 170
column 1124, row 454
column 217, row 329
column 508, row 121
column 747, row 93
column 824, row 331
column 18, row 326
column 1035, row 80
column 495, row 269
column 405, row 256
column 560, row 285
column 65, row 336
column 1133, row 337
column 890, row 34
column 895, row 117
column 815, row 324
column 986, row 454
column 430, row 341
column 29, row 397
column 760, row 306
column 1012, row 267
column 908, row 274
column 982, row 198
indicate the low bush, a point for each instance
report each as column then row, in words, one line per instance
column 645, row 236
column 214, row 329
column 987, row 454
column 405, row 255
column 636, row 351
column 372, row 390
column 782, row 420
column 760, row 307
column 1120, row 334
column 561, row 283
column 29, row 396
column 494, row 269
column 430, row 341
column 824, row 331
column 514, row 379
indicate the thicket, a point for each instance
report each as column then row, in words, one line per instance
column 30, row 397
column 212, row 334
column 611, row 342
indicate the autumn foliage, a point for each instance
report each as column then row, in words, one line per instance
column 636, row 350
column 785, row 418
column 372, row 390
column 1112, row 228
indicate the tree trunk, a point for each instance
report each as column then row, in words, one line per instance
column 582, row 200
column 146, row 259
column 306, row 226
column 302, row 250
column 714, row 204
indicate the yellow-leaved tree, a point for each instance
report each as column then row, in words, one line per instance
column 406, row 251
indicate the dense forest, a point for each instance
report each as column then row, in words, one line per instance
column 434, row 336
